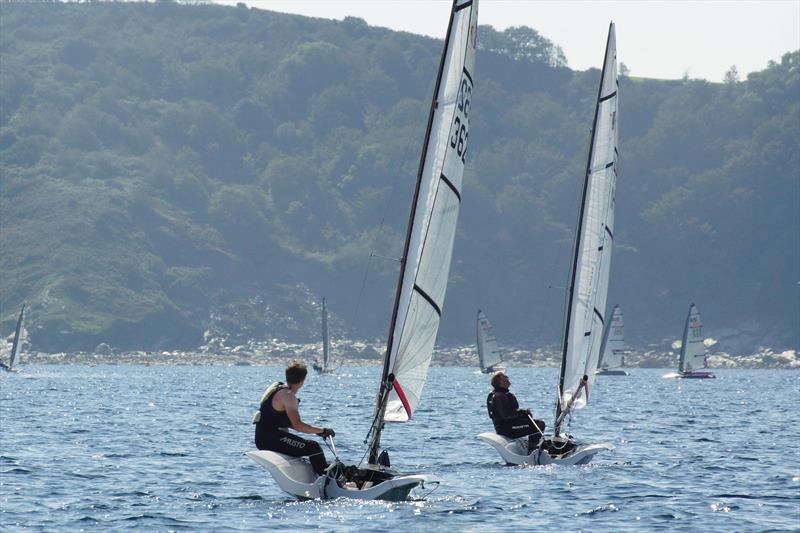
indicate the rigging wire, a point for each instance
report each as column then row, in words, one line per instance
column 368, row 262
column 381, row 225
column 374, row 422
column 546, row 305
column 332, row 448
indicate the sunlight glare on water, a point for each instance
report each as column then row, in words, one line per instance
column 162, row 448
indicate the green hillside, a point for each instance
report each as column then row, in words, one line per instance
column 169, row 171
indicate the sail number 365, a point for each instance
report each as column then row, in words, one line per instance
column 458, row 140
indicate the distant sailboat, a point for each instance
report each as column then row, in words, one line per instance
column 489, row 355
column 322, row 367
column 588, row 286
column 420, row 288
column 612, row 354
column 693, row 349
column 16, row 345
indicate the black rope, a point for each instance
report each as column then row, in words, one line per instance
column 387, row 389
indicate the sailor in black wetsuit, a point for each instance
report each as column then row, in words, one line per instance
column 279, row 411
column 508, row 419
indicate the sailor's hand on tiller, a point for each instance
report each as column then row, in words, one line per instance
column 327, row 432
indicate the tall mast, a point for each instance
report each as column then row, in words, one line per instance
column 324, row 336
column 383, row 392
column 478, row 339
column 578, row 232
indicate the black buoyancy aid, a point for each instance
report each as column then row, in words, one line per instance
column 490, row 405
column 269, row 418
column 507, row 397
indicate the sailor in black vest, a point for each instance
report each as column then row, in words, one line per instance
column 508, row 419
column 279, row 412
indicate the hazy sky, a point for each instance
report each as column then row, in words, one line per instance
column 656, row 39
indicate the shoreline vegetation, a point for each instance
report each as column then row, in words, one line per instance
column 366, row 353
column 170, row 169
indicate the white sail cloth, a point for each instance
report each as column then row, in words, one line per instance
column 427, row 263
column 16, row 345
column 693, row 348
column 488, row 352
column 593, row 260
column 612, row 355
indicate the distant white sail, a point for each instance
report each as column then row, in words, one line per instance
column 488, row 353
column 432, row 226
column 693, row 350
column 16, row 346
column 592, row 255
column 612, row 355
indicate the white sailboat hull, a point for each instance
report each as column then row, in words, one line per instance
column 610, row 372
column 295, row 476
column 494, row 368
column 514, row 452
column 320, row 370
column 697, row 374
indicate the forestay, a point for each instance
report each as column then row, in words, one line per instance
column 488, row 353
column 693, row 349
column 613, row 341
column 592, row 255
column 432, row 227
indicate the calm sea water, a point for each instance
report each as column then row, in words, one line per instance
column 160, row 448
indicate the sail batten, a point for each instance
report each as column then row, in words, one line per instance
column 452, row 187
column 430, row 235
column 429, row 300
column 612, row 95
column 591, row 261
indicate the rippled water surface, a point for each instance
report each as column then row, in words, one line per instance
column 161, row 448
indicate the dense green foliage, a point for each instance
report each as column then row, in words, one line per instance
column 171, row 169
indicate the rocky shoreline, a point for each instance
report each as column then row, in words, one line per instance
column 354, row 353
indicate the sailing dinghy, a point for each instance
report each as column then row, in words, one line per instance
column 322, row 367
column 16, row 345
column 693, row 350
column 612, row 354
column 489, row 355
column 420, row 289
column 588, row 286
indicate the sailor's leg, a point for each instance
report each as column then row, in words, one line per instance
column 294, row 446
column 535, row 438
column 317, row 457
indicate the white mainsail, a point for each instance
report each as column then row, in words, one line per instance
column 612, row 355
column 325, row 341
column 432, row 225
column 488, row 353
column 693, row 349
column 591, row 261
column 16, row 346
